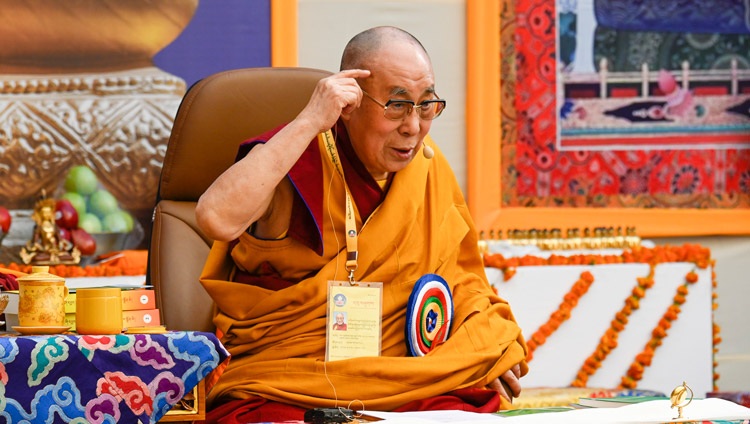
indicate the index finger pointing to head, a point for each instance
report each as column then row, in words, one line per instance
column 355, row 73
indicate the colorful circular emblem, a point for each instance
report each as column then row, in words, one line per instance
column 428, row 314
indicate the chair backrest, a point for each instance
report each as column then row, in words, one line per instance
column 215, row 116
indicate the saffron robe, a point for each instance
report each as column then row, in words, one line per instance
column 277, row 337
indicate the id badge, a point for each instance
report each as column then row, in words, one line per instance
column 354, row 320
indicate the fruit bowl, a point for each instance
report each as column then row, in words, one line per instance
column 112, row 242
column 109, row 242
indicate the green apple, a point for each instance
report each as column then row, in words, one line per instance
column 128, row 219
column 82, row 180
column 116, row 222
column 102, row 203
column 90, row 223
column 78, row 201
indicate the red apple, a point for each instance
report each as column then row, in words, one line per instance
column 65, row 233
column 66, row 215
column 5, row 220
column 85, row 243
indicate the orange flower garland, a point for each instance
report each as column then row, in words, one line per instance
column 107, row 269
column 716, row 328
column 696, row 254
column 570, row 301
column 608, row 342
column 643, row 359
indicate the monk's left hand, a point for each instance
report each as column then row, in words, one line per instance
column 509, row 384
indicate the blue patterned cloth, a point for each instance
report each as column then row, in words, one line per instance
column 126, row 378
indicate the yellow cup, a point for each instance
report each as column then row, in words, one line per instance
column 99, row 311
column 41, row 299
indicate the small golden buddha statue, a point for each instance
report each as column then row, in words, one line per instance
column 47, row 246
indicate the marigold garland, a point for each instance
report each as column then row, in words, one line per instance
column 643, row 359
column 716, row 328
column 696, row 254
column 699, row 255
column 562, row 314
column 72, row 271
column 608, row 341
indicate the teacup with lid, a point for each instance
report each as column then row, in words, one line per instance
column 41, row 299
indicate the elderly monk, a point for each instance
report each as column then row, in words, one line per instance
column 278, row 216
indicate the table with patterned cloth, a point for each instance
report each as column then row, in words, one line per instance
column 93, row 379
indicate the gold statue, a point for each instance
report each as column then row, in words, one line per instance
column 678, row 397
column 47, row 246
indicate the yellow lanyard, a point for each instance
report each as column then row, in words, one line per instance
column 351, row 223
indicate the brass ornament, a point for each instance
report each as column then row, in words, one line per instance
column 679, row 398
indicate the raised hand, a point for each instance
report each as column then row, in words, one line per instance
column 333, row 95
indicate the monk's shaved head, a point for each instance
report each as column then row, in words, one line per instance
column 367, row 43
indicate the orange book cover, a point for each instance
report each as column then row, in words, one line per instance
column 138, row 299
column 141, row 318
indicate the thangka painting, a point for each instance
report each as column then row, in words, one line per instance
column 620, row 103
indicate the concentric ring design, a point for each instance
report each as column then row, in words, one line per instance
column 428, row 314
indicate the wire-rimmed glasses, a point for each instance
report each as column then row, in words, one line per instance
column 396, row 110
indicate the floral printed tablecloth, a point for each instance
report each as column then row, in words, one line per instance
column 101, row 379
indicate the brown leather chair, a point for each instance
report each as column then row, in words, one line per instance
column 215, row 116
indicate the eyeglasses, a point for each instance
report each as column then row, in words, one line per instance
column 399, row 109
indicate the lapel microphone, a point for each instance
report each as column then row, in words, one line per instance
column 427, row 151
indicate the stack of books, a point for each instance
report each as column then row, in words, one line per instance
column 138, row 308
